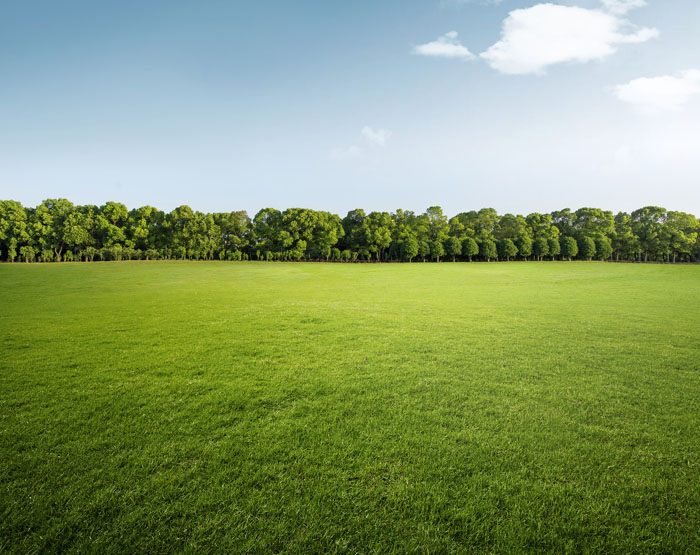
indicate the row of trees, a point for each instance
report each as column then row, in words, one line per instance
column 57, row 230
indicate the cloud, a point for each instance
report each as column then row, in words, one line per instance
column 376, row 138
column 621, row 7
column 658, row 94
column 532, row 39
column 446, row 46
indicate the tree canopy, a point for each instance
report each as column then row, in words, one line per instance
column 57, row 230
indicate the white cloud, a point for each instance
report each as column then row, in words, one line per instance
column 446, row 46
column 535, row 38
column 376, row 138
column 657, row 94
column 621, row 7
column 346, row 153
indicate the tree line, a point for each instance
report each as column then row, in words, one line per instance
column 59, row 231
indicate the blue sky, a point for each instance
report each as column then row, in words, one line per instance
column 222, row 105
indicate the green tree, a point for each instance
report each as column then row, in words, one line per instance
column 436, row 249
column 593, row 222
column 488, row 250
column 28, row 253
column 378, row 227
column 49, row 226
column 569, row 248
column 554, row 248
column 235, row 229
column 565, row 221
column 14, row 229
column 603, row 248
column 470, row 248
column 454, row 247
column 540, row 248
column 646, row 225
column 508, row 249
column 586, row 247
column 267, row 227
column 410, row 248
column 682, row 232
column 625, row 243
column 525, row 247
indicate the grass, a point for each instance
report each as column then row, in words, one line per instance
column 328, row 408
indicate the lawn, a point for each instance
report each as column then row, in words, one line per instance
column 349, row 408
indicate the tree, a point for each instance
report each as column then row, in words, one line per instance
column 488, row 250
column 625, row 243
column 424, row 248
column 593, row 222
column 28, row 253
column 266, row 232
column 525, row 247
column 682, row 232
column 377, row 228
column 14, row 231
column 470, row 248
column 565, row 221
column 540, row 248
column 646, row 225
column 438, row 227
column 586, row 246
column 436, row 250
column 235, row 228
column 410, row 248
column 325, row 234
column 79, row 228
column 147, row 229
column 49, row 225
column 513, row 228
column 89, row 253
column 603, row 248
column 56, row 228
column 554, row 247
column 569, row 248
column 454, row 247
column 508, row 249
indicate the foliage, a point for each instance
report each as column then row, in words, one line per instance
column 508, row 249
column 113, row 232
column 586, row 247
column 569, row 248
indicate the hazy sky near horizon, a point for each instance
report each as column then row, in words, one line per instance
column 224, row 105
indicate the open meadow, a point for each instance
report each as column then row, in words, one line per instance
column 349, row 408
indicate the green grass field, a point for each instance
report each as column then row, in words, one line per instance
column 331, row 408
